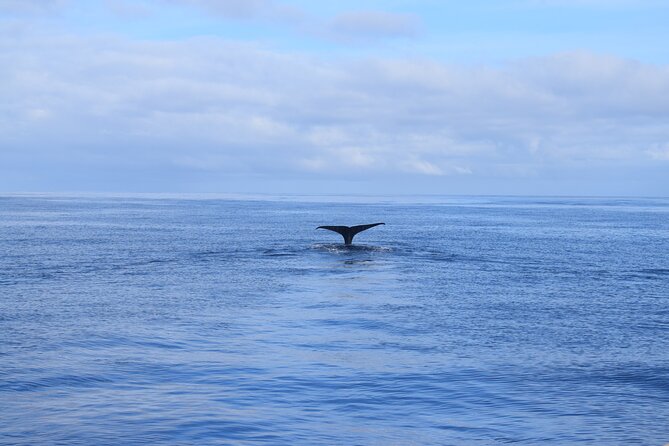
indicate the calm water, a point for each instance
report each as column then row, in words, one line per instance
column 463, row 321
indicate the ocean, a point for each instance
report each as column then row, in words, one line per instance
column 181, row 320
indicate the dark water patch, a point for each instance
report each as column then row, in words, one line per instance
column 214, row 428
column 357, row 261
column 625, row 376
column 215, row 257
column 652, row 273
column 657, row 271
column 60, row 382
column 283, row 251
column 91, row 342
column 40, row 271
column 366, row 324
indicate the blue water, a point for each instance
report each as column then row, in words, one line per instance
column 463, row 321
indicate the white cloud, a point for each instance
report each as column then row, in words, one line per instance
column 31, row 6
column 244, row 9
column 230, row 107
column 659, row 152
column 230, row 8
column 356, row 157
column 607, row 4
column 423, row 167
column 127, row 9
column 348, row 26
column 356, row 25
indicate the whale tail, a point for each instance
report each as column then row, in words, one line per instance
column 348, row 232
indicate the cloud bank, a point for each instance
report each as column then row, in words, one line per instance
column 230, row 108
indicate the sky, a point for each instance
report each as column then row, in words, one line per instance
column 509, row 97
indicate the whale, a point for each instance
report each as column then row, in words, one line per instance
column 348, row 232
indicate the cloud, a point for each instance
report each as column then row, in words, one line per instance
column 243, row 9
column 126, row 9
column 76, row 104
column 423, row 167
column 348, row 27
column 230, row 8
column 659, row 152
column 31, row 6
column 363, row 25
column 604, row 4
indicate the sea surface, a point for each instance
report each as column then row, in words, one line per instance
column 213, row 321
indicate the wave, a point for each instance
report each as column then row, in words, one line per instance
column 348, row 249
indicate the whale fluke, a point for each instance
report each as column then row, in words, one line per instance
column 348, row 232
